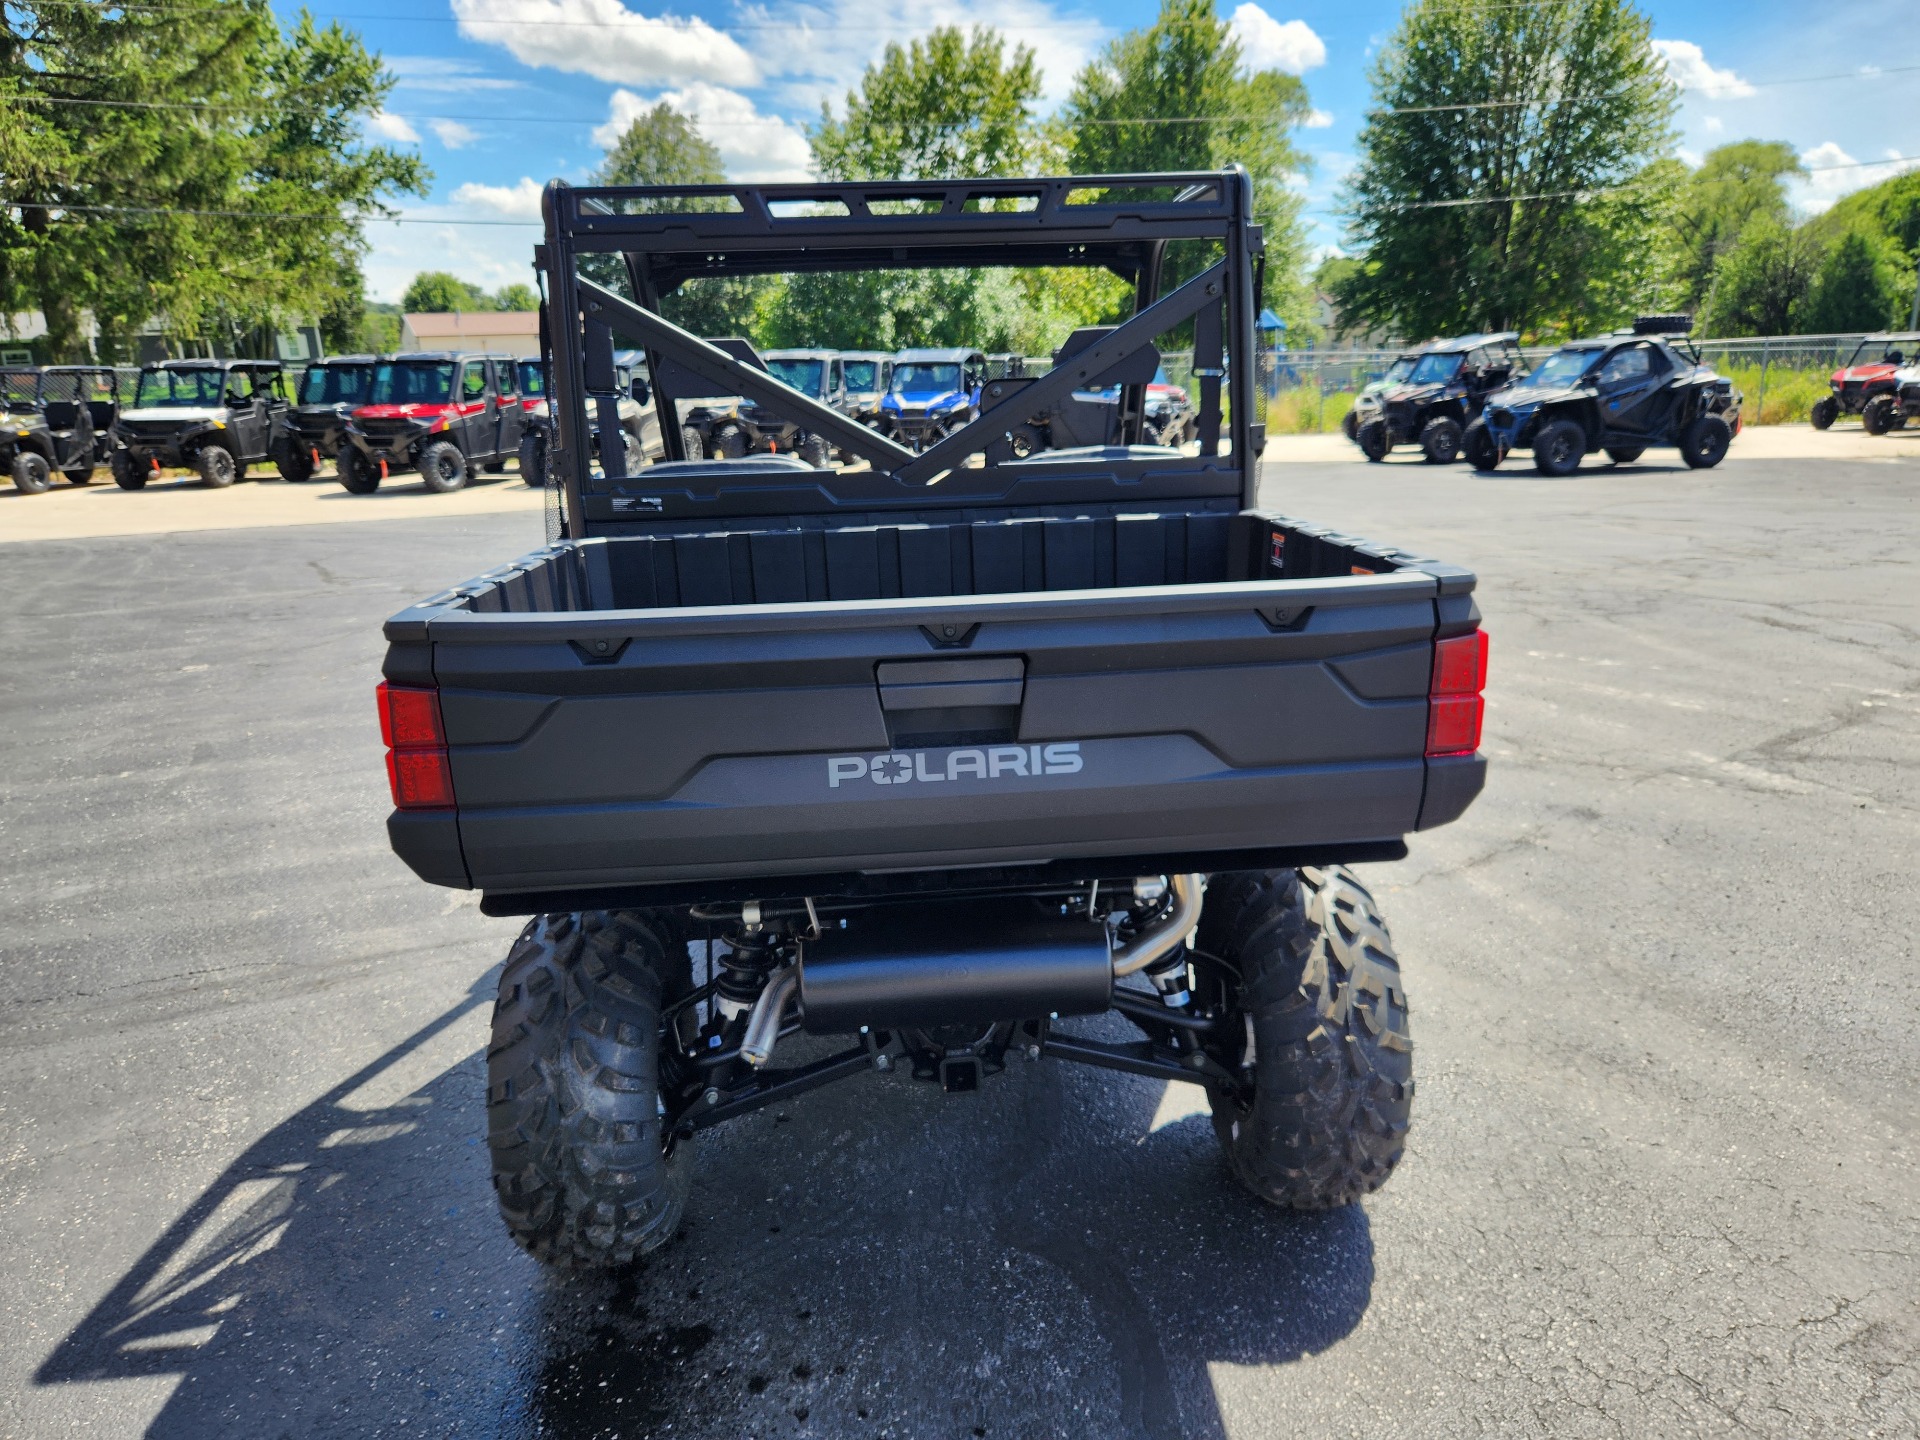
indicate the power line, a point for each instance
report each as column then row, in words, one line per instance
column 1615, row 94
column 646, row 21
column 188, row 105
column 1598, row 190
column 254, row 214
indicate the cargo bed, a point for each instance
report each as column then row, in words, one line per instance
column 828, row 702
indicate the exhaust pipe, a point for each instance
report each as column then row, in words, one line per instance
column 1166, row 935
column 763, row 1024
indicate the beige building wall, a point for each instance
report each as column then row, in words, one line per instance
column 500, row 332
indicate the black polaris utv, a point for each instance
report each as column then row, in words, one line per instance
column 941, row 756
column 1389, row 379
column 316, row 426
column 59, row 421
column 815, row 373
column 1441, row 395
column 638, row 423
column 447, row 416
column 1623, row 394
column 214, row 417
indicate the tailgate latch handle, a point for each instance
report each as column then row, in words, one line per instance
column 951, row 684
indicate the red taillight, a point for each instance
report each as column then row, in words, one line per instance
column 1455, row 707
column 418, row 769
column 420, row 779
column 1460, row 665
column 1453, row 724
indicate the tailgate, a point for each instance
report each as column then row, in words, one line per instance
column 613, row 748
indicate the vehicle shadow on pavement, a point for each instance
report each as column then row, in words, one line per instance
column 875, row 1259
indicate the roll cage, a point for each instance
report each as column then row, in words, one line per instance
column 669, row 235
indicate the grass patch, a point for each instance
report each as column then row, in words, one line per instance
column 1304, row 412
column 1789, row 393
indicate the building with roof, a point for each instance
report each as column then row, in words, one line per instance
column 506, row 332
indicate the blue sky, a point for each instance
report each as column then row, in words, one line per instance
column 502, row 95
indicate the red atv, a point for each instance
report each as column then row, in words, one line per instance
column 1864, row 385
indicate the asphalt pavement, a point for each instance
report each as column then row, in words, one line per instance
column 1666, row 1013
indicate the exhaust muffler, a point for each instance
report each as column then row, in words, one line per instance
column 917, row 966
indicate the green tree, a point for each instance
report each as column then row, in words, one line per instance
column 1891, row 208
column 1862, row 284
column 946, row 107
column 516, row 297
column 150, row 158
column 661, row 147
column 1506, row 174
column 1761, row 284
column 664, row 147
column 1735, row 185
column 1175, row 96
column 438, row 291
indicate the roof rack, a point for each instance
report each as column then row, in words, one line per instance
column 1660, row 325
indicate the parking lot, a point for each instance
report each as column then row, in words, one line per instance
column 1661, row 1178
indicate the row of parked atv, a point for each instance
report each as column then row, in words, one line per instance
column 1880, row 383
column 916, row 397
column 1621, row 394
column 445, row 416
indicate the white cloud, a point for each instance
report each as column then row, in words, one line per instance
column 1317, row 120
column 436, row 72
column 489, row 255
column 392, row 127
column 1270, row 44
column 752, row 145
column 502, row 202
column 452, row 133
column 1836, row 173
column 1714, row 124
column 819, row 48
column 1688, row 66
column 606, row 40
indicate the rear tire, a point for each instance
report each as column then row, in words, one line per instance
column 1825, row 411
column 1559, row 447
column 1625, row 454
column 1348, row 425
column 574, row 1121
column 1482, row 451
column 31, row 473
column 216, row 467
column 1440, row 440
column 79, row 475
column 1373, row 441
column 1332, row 1058
column 1877, row 418
column 730, row 443
column 1703, row 444
column 813, row 450
column 443, row 469
column 694, row 443
column 357, row 473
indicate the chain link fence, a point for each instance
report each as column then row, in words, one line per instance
column 1780, row 376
